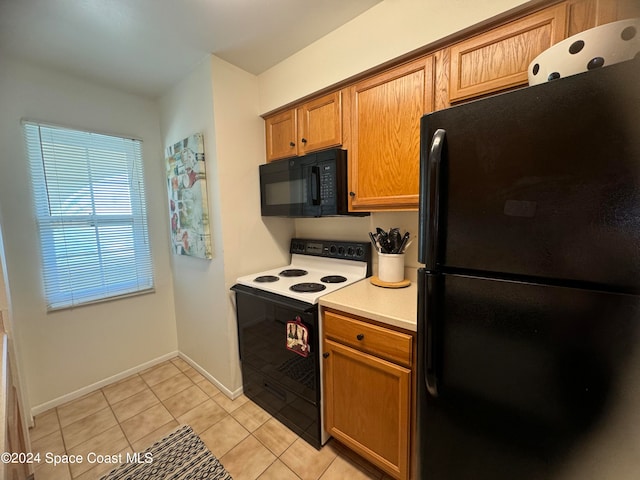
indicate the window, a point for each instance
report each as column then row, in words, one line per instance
column 91, row 214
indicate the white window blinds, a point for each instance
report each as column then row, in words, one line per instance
column 91, row 214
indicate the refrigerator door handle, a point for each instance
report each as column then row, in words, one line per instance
column 427, row 313
column 430, row 200
column 432, row 335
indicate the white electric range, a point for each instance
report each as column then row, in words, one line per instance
column 279, row 329
column 317, row 267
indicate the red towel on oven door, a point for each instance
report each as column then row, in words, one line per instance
column 298, row 337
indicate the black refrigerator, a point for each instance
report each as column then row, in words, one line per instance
column 529, row 300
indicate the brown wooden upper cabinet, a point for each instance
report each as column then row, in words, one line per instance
column 585, row 14
column 281, row 133
column 498, row 59
column 315, row 125
column 384, row 154
column 320, row 123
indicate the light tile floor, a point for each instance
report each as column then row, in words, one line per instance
column 130, row 415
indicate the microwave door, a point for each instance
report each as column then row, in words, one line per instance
column 283, row 189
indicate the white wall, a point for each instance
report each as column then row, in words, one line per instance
column 221, row 101
column 198, row 283
column 64, row 352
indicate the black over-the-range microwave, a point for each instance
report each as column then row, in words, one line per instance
column 313, row 185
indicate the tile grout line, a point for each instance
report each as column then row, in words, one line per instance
column 177, row 393
column 116, row 417
column 285, row 450
column 64, row 443
column 159, row 401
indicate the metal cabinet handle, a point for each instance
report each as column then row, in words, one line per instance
column 360, row 336
column 304, row 140
column 291, row 144
column 325, row 355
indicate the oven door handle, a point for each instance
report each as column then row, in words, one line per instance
column 273, row 298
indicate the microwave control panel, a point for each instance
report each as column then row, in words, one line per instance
column 327, row 183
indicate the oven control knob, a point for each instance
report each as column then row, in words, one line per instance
column 333, row 249
column 350, row 251
column 359, row 252
column 341, row 250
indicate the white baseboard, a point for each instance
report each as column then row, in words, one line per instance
column 38, row 409
column 102, row 383
column 98, row 385
column 231, row 394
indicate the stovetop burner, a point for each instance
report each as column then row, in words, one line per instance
column 293, row 272
column 333, row 279
column 307, row 287
column 266, row 279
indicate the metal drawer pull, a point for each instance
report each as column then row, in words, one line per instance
column 360, row 336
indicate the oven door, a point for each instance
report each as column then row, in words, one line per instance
column 290, row 188
column 281, row 381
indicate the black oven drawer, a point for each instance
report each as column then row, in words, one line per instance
column 293, row 411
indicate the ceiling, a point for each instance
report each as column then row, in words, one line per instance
column 146, row 46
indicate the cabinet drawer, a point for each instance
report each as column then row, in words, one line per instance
column 382, row 342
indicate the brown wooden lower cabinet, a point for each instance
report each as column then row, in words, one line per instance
column 368, row 397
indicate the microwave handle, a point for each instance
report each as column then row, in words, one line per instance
column 315, row 185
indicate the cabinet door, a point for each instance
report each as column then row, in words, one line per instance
column 385, row 146
column 581, row 15
column 585, row 14
column 281, row 135
column 498, row 59
column 367, row 406
column 320, row 123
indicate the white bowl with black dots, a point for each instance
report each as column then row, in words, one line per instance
column 594, row 48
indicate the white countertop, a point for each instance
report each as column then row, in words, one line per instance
column 394, row 306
